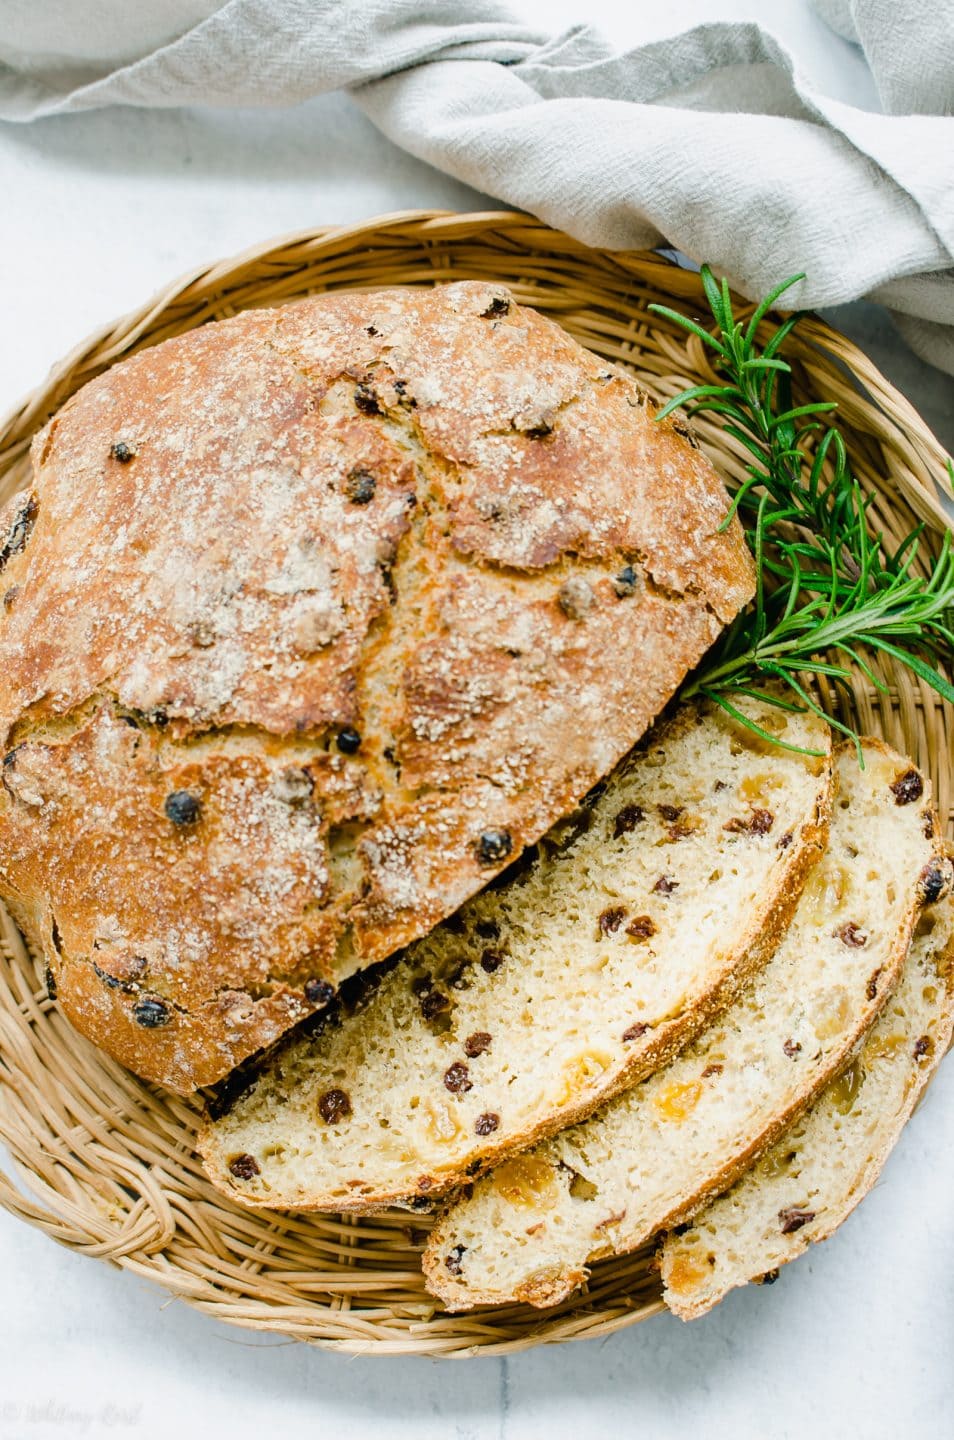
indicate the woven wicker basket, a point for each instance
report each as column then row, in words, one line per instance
column 104, row 1163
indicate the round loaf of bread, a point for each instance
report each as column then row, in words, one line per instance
column 312, row 620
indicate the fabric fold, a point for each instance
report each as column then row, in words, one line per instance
column 719, row 140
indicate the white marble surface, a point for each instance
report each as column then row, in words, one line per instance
column 856, row 1338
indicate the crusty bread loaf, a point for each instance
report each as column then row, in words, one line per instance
column 812, row 1179
column 529, row 1230
column 554, row 991
column 312, row 620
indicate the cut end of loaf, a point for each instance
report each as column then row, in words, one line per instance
column 654, row 1155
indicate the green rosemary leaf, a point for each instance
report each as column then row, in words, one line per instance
column 687, row 396
column 833, row 720
column 920, row 667
column 778, row 420
column 745, row 438
column 705, row 336
column 781, row 335
column 715, row 297
column 770, row 697
column 764, row 306
column 763, row 363
column 910, row 541
column 828, row 587
column 866, row 669
column 757, row 729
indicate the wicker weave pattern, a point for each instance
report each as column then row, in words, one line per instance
column 104, row 1163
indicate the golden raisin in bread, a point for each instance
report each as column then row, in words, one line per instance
column 652, row 1157
column 313, row 619
column 812, row 1179
column 549, row 993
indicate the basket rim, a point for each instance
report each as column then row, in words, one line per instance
column 894, row 406
column 178, row 286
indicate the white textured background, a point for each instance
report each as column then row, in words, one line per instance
column 856, row 1339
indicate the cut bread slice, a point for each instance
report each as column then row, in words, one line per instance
column 812, row 1179
column 586, row 970
column 651, row 1158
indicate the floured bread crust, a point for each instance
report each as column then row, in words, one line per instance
column 312, row 620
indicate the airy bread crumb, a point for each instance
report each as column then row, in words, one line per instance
column 653, row 1156
column 555, row 988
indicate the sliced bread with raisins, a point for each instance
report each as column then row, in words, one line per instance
column 652, row 1157
column 639, row 918
column 812, row 1179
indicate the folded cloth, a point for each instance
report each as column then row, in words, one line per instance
column 718, row 140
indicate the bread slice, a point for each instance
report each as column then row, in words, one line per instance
column 812, row 1179
column 656, row 1154
column 546, row 995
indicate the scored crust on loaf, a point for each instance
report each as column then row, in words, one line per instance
column 529, row 1230
column 312, row 620
column 812, row 1179
column 559, row 986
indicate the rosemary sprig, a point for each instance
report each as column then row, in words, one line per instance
column 828, row 587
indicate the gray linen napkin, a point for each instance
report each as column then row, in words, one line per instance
column 717, row 140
